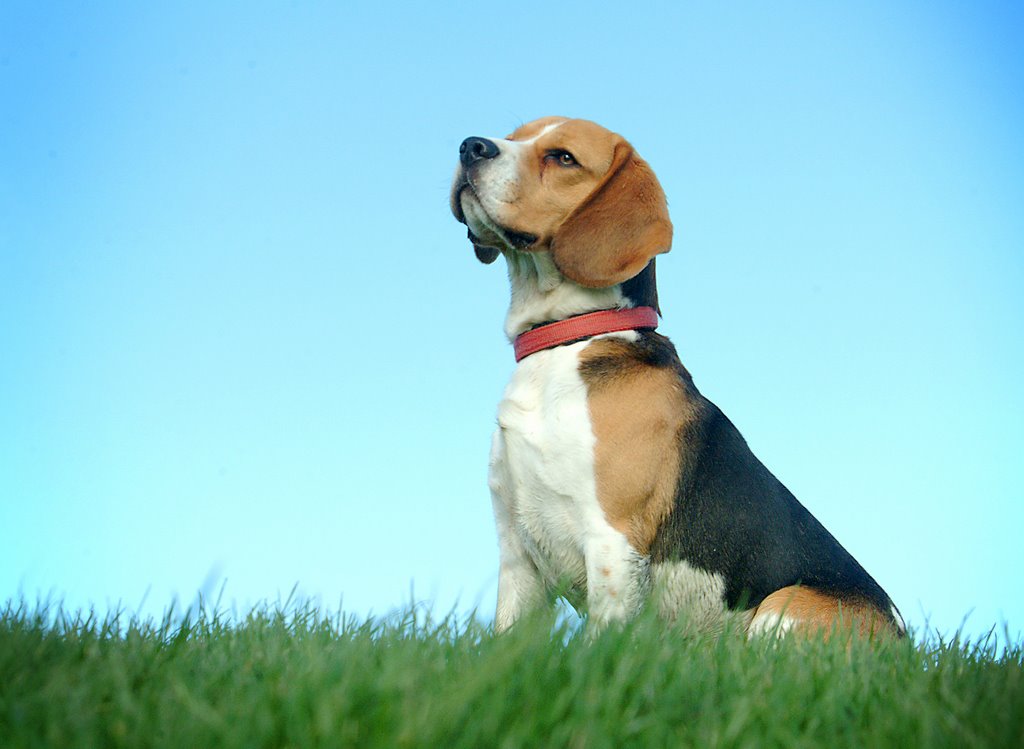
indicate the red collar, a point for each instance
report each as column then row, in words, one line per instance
column 584, row 326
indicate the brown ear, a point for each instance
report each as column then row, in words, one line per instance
column 620, row 226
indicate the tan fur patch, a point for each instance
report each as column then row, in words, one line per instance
column 815, row 612
column 638, row 413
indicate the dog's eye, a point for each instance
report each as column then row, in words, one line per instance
column 564, row 158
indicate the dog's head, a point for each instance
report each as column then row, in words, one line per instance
column 569, row 187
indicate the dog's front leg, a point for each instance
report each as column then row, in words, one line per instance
column 520, row 585
column 618, row 578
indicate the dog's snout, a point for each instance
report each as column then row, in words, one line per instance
column 475, row 149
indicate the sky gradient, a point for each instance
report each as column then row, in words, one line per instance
column 243, row 342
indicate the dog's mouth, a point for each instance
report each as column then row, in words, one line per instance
column 456, row 199
column 489, row 238
column 487, row 252
column 516, row 240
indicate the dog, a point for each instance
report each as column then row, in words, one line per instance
column 613, row 480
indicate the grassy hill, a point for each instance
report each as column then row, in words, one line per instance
column 295, row 677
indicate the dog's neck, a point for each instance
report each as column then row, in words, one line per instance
column 541, row 294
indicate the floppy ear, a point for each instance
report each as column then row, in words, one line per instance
column 620, row 226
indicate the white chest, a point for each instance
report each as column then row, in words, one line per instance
column 542, row 466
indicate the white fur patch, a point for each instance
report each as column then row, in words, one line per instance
column 690, row 595
column 770, row 622
column 900, row 624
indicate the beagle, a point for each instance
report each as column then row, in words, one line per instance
column 613, row 479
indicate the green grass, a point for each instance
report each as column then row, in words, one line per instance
column 293, row 677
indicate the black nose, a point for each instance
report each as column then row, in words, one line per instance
column 473, row 149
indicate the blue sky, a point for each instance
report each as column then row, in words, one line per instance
column 242, row 340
